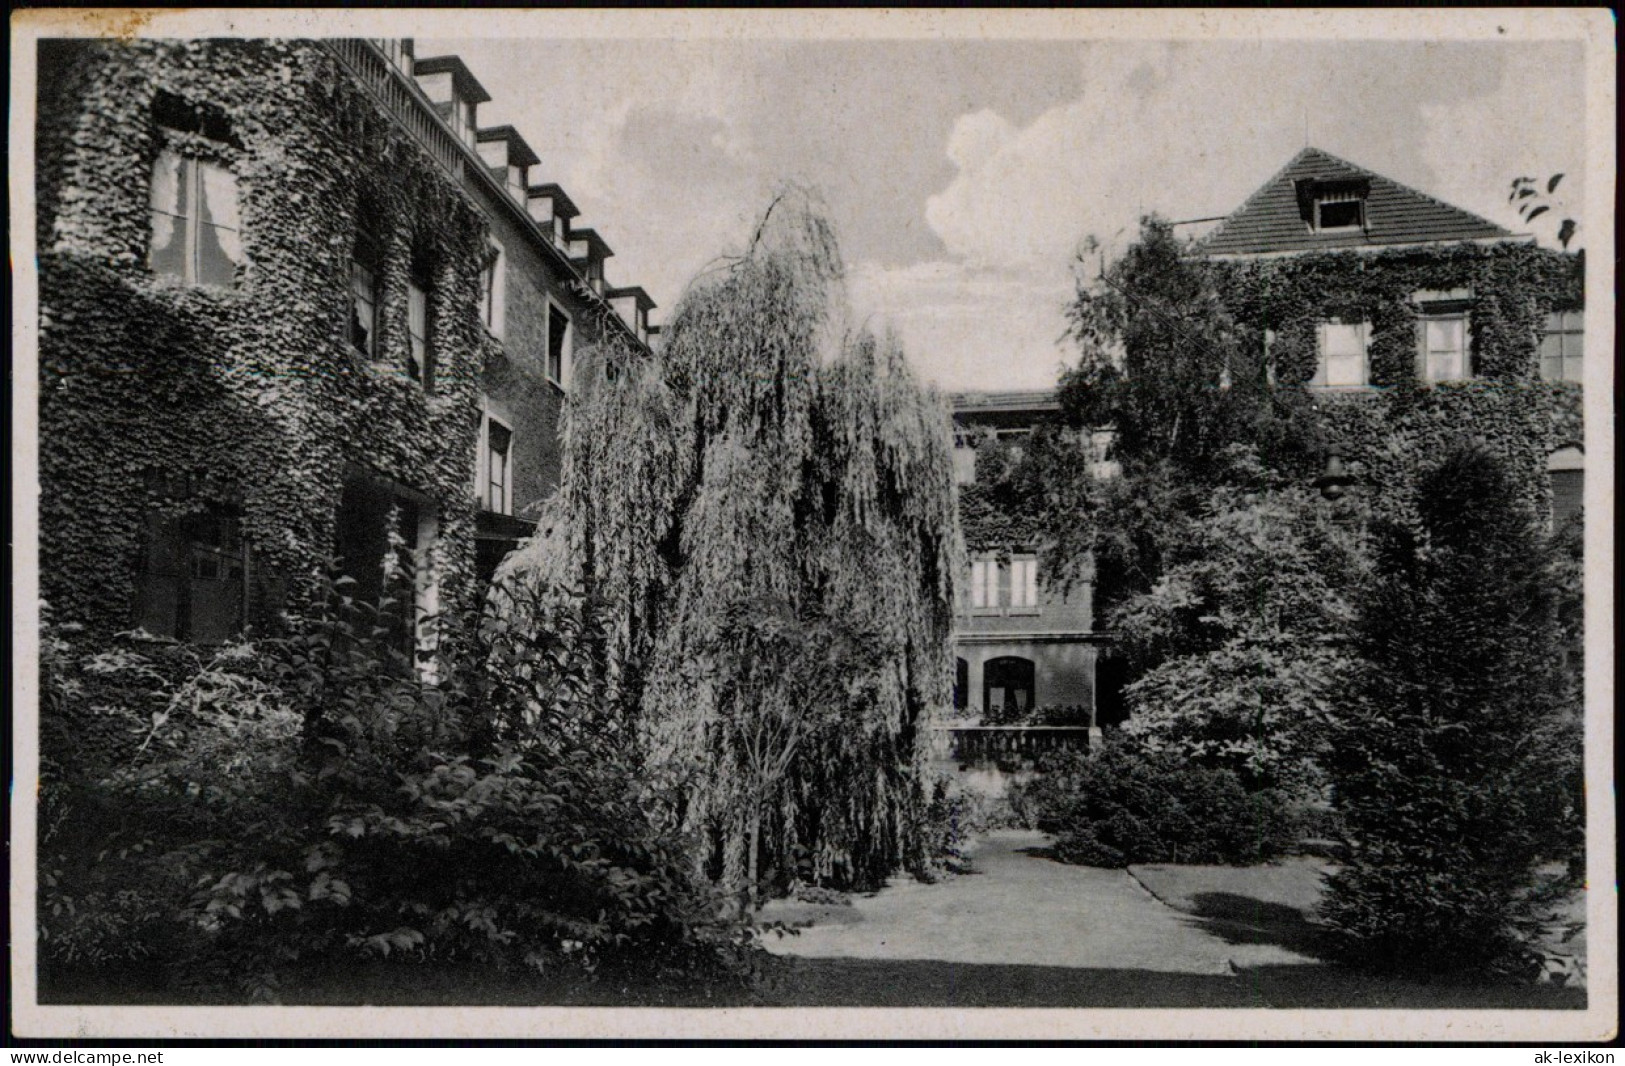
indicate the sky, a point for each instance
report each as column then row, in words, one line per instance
column 963, row 175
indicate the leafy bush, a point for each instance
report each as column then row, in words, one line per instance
column 1047, row 714
column 1457, row 763
column 308, row 796
column 1242, row 639
column 1125, row 805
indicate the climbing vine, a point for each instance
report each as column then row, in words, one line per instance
column 162, row 397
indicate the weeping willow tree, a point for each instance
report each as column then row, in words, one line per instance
column 764, row 514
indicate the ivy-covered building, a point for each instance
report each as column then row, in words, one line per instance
column 295, row 305
column 1025, row 649
column 1411, row 322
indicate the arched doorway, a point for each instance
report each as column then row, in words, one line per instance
column 1007, row 687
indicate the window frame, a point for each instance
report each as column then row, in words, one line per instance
column 420, row 351
column 190, row 221
column 494, row 290
column 486, row 481
column 1323, row 201
column 566, row 348
column 366, row 255
column 1440, row 313
column 1322, row 378
column 234, row 550
column 1570, row 323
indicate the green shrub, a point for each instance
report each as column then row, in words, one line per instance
column 1125, row 805
column 1457, row 762
column 311, row 798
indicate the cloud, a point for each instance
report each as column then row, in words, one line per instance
column 968, row 328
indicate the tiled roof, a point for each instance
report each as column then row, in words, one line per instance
column 1274, row 219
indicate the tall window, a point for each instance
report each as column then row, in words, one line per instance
column 384, row 542
column 364, row 269
column 498, row 469
column 1024, row 582
column 196, row 228
column 1342, row 355
column 1444, row 348
column 984, row 578
column 1561, row 343
column 420, row 352
column 493, row 284
column 558, row 344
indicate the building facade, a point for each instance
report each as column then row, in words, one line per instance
column 297, row 310
column 1411, row 323
column 1026, row 649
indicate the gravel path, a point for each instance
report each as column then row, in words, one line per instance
column 1021, row 908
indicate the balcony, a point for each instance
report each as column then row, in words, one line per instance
column 395, row 93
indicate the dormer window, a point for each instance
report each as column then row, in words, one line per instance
column 454, row 92
column 509, row 159
column 552, row 210
column 1333, row 206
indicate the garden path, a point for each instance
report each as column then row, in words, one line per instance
column 1019, row 907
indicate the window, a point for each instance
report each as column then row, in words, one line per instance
column 493, row 290
column 1561, row 342
column 420, row 352
column 364, row 264
column 1444, row 348
column 558, row 344
column 1566, row 470
column 1007, row 686
column 1012, row 588
column 385, row 539
column 1024, row 582
column 984, row 583
column 194, row 576
column 497, row 493
column 196, row 230
column 1339, row 211
column 1342, row 355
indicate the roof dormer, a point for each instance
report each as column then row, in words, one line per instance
column 1333, row 205
column 633, row 305
column 508, row 157
column 588, row 252
column 454, row 91
column 552, row 210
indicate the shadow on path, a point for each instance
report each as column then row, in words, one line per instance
column 813, row 982
column 1238, row 919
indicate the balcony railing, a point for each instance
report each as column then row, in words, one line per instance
column 1011, row 746
column 392, row 91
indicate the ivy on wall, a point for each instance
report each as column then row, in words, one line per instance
column 249, row 395
column 1395, row 429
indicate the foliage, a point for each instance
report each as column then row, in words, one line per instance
column 1239, row 645
column 773, row 456
column 1044, row 714
column 1165, row 363
column 1456, row 759
column 1125, row 804
column 316, row 800
column 1533, row 201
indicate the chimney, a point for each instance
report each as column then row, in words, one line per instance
column 552, row 210
column 454, row 92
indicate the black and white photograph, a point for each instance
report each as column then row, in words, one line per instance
column 871, row 524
